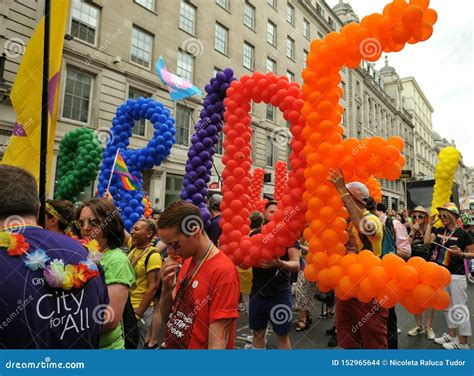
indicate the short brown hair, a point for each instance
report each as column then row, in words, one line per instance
column 181, row 215
column 151, row 225
column 110, row 221
column 18, row 192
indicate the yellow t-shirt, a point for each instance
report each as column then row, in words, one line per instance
column 154, row 262
column 370, row 221
column 246, row 276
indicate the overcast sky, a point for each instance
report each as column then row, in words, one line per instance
column 442, row 66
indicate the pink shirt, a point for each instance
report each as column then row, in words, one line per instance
column 401, row 237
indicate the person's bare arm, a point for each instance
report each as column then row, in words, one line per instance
column 292, row 265
column 118, row 295
column 167, row 282
column 219, row 334
column 355, row 213
column 152, row 282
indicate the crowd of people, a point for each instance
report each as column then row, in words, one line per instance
column 84, row 282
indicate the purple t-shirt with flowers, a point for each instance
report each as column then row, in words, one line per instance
column 34, row 315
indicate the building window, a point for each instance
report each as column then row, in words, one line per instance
column 142, row 44
column 249, row 15
column 148, row 4
column 291, row 76
column 290, row 48
column 332, row 25
column 223, row 4
column 271, row 65
column 343, row 87
column 320, row 35
column 306, row 29
column 319, row 9
column 174, row 184
column 249, row 56
column 271, row 33
column 270, row 113
column 272, row 3
column 187, row 17
column 290, row 13
column 183, row 119
column 220, row 141
column 140, row 126
column 305, row 55
column 77, row 95
column 185, row 65
column 84, row 21
column 270, row 152
column 220, row 38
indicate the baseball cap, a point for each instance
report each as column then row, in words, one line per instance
column 450, row 206
column 358, row 190
column 215, row 201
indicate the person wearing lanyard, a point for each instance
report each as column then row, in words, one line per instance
column 450, row 244
column 146, row 263
column 200, row 309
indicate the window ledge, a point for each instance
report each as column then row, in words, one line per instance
column 139, row 65
column 144, row 7
column 74, row 122
column 187, row 32
column 222, row 53
column 252, row 29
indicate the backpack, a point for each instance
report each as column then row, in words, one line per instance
column 389, row 244
column 129, row 321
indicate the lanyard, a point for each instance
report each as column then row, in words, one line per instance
column 135, row 260
column 187, row 279
column 444, row 240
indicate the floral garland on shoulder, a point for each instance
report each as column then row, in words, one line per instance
column 55, row 272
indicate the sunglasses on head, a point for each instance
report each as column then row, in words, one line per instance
column 92, row 222
column 418, row 216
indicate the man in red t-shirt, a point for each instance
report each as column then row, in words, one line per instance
column 200, row 310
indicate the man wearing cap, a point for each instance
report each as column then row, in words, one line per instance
column 365, row 232
column 214, row 205
column 450, row 245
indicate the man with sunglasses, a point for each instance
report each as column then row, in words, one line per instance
column 200, row 309
column 450, row 243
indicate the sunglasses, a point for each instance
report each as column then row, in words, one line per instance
column 92, row 222
column 418, row 216
column 444, row 216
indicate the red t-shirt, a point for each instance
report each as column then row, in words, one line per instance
column 213, row 294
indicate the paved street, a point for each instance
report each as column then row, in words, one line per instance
column 316, row 338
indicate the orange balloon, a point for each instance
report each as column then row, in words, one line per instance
column 391, row 263
column 348, row 260
column 320, row 260
column 441, row 300
column 338, row 225
column 335, row 274
column 329, row 238
column 430, row 16
column 379, row 276
column 310, row 273
column 356, row 272
column 323, row 277
column 317, row 226
column 327, row 214
column 369, row 260
column 424, row 295
column 334, row 260
column 407, row 277
column 367, row 288
column 346, row 288
column 416, row 262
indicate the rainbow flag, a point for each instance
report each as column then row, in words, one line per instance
column 130, row 182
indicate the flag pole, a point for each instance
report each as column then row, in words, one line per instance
column 113, row 168
column 212, row 160
column 44, row 113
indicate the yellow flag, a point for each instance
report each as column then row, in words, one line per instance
column 23, row 149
